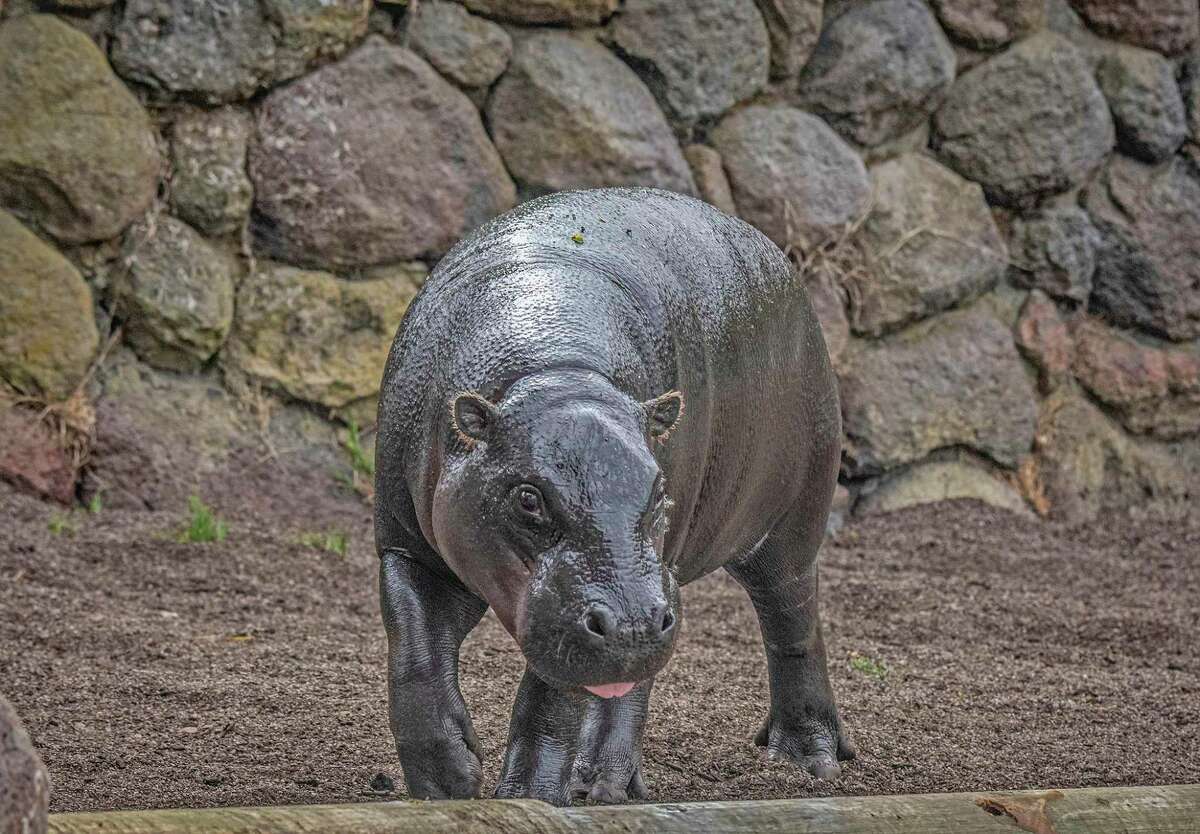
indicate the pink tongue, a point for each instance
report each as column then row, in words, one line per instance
column 611, row 690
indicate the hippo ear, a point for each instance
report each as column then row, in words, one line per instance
column 472, row 415
column 663, row 414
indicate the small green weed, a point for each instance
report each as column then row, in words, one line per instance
column 95, row 504
column 868, row 666
column 361, row 477
column 62, row 524
column 333, row 541
column 360, row 461
column 203, row 526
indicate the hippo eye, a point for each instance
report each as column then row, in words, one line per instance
column 529, row 502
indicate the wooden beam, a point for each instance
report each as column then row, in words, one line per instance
column 1168, row 809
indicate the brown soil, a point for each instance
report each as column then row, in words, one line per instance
column 152, row 673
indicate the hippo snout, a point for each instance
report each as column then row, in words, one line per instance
column 603, row 644
column 650, row 630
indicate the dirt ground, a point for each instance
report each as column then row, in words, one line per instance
column 970, row 649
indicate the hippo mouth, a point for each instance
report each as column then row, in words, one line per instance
column 611, row 690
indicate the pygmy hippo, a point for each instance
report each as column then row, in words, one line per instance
column 596, row 398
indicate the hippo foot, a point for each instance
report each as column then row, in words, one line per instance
column 814, row 746
column 443, row 767
column 535, row 769
column 607, row 784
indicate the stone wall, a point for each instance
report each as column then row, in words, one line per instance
column 996, row 205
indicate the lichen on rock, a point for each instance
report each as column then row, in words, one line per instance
column 174, row 293
column 48, row 333
column 78, row 155
column 316, row 337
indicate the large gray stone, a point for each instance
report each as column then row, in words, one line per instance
column 794, row 27
column 372, row 159
column 879, row 70
column 24, row 783
column 78, row 156
column 569, row 12
column 316, row 337
column 941, row 480
column 699, row 59
column 209, row 186
column 1054, row 250
column 175, row 294
column 570, row 114
column 990, row 24
column 1026, row 123
column 1085, row 465
column 47, row 329
column 1153, row 389
column 932, row 245
column 1167, row 26
column 470, row 51
column 1146, row 104
column 791, row 175
column 953, row 381
column 213, row 50
column 1148, row 261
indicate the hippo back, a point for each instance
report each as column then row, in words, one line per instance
column 656, row 291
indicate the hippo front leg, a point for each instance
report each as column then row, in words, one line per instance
column 608, row 763
column 566, row 745
column 427, row 618
column 543, row 737
column 803, row 723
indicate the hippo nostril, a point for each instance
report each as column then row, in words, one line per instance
column 668, row 620
column 598, row 621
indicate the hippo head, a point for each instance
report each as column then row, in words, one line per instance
column 554, row 509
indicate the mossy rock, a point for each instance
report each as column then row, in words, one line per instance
column 78, row 155
column 317, row 337
column 47, row 329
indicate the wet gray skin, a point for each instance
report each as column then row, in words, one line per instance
column 596, row 398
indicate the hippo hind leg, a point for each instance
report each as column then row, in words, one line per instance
column 781, row 578
column 566, row 745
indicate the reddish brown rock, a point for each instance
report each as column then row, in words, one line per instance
column 1167, row 26
column 31, row 458
column 1045, row 340
column 373, row 159
column 24, row 784
column 1153, row 389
